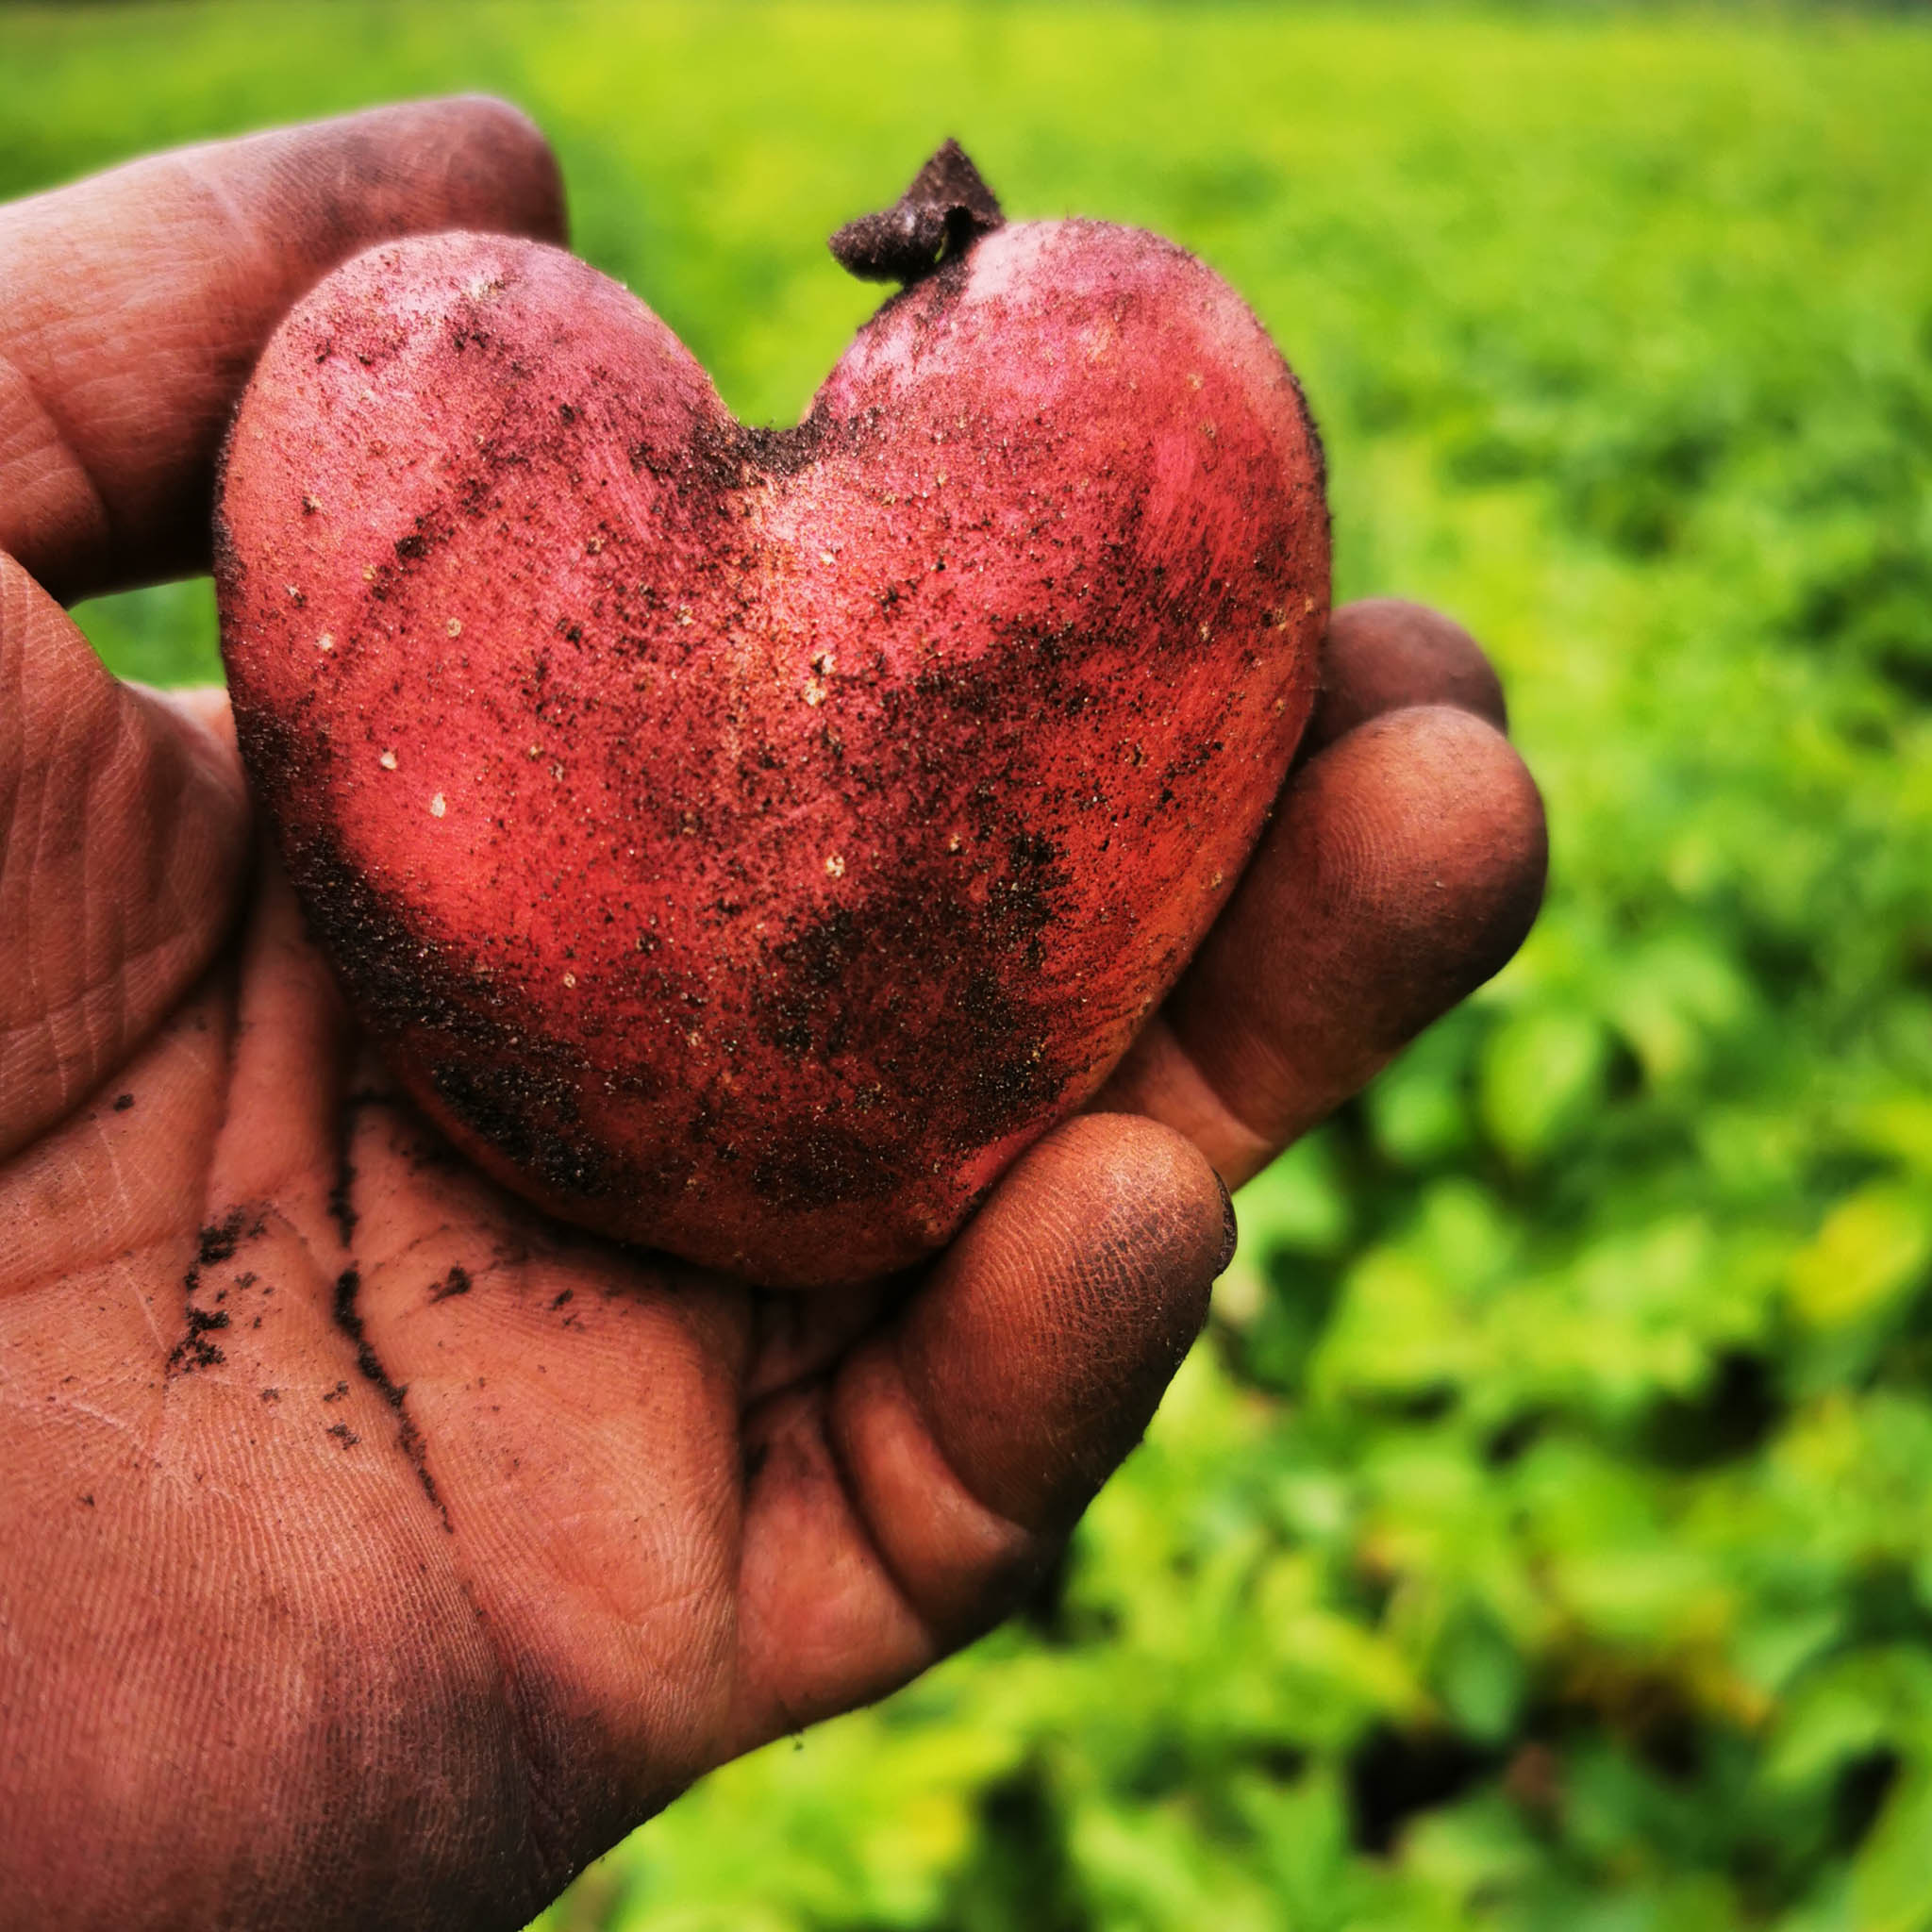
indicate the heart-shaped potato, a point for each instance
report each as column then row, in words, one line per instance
column 745, row 842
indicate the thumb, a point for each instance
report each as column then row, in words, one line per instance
column 123, row 828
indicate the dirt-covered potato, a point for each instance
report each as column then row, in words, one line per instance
column 746, row 841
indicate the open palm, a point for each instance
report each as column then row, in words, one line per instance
column 372, row 1550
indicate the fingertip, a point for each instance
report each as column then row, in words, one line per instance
column 1422, row 837
column 412, row 166
column 139, row 299
column 1114, row 1178
column 1462, row 879
column 1406, row 867
column 1042, row 1347
column 519, row 164
column 1387, row 654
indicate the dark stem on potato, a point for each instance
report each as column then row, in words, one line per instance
column 945, row 209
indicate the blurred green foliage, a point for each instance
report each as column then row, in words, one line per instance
column 1543, row 1536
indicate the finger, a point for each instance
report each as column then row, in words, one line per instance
column 132, row 308
column 1404, row 869
column 1385, row 654
column 124, row 837
column 903, row 1507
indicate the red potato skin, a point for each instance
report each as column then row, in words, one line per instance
column 745, row 843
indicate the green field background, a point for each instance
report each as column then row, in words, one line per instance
column 1542, row 1535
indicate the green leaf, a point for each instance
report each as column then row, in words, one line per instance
column 1541, row 1076
column 1871, row 1249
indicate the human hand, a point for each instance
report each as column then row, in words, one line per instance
column 373, row 1552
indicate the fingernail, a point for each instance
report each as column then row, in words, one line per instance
column 1231, row 1231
